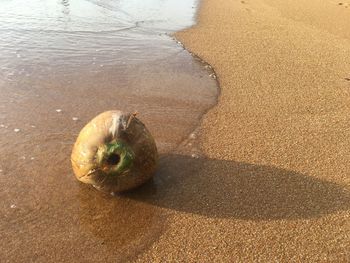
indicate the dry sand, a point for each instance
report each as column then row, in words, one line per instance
column 275, row 185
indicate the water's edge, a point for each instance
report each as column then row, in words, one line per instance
column 193, row 137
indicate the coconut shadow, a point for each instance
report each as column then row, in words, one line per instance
column 229, row 189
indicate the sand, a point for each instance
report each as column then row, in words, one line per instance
column 274, row 186
column 270, row 183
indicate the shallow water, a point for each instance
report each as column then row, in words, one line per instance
column 62, row 54
column 62, row 63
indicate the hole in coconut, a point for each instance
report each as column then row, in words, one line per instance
column 113, row 159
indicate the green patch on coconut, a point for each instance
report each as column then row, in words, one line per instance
column 115, row 158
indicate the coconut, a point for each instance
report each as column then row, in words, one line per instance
column 114, row 152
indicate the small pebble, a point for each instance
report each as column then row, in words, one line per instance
column 58, row 110
column 32, row 158
column 2, row 125
column 33, row 126
column 1, row 170
column 193, row 136
column 193, row 155
column 23, row 158
column 16, row 130
column 13, row 206
column 75, row 118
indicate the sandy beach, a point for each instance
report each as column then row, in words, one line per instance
column 264, row 178
column 275, row 184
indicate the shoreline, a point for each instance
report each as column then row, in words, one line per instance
column 273, row 184
column 182, row 147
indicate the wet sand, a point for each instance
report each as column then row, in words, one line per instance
column 62, row 63
column 275, row 184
